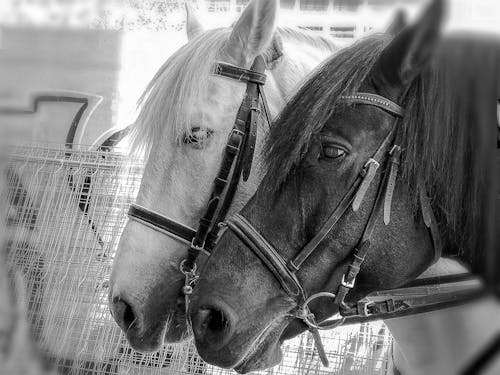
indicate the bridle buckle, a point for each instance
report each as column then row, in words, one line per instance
column 198, row 248
column 371, row 161
column 394, row 148
column 350, row 284
column 364, row 311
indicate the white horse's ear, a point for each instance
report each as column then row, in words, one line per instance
column 253, row 32
column 193, row 26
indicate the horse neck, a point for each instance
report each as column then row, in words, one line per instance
column 443, row 341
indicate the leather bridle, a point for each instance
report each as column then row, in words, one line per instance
column 236, row 164
column 285, row 271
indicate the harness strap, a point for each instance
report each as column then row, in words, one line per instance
column 349, row 197
column 247, row 119
column 395, row 308
column 376, row 101
column 267, row 254
column 431, row 223
column 394, row 161
column 161, row 223
column 359, row 254
column 237, row 159
column 240, row 74
column 251, row 137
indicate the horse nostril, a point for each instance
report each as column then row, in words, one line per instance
column 212, row 326
column 123, row 313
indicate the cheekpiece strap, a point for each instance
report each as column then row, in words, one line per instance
column 237, row 73
column 375, row 100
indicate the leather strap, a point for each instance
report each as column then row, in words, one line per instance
column 246, row 121
column 431, row 223
column 161, row 223
column 394, row 161
column 376, row 101
column 239, row 74
column 395, row 308
column 267, row 254
column 344, row 204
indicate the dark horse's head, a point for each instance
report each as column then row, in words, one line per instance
column 447, row 87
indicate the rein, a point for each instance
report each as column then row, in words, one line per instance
column 285, row 271
column 236, row 164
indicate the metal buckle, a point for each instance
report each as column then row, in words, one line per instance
column 198, row 248
column 346, row 284
column 394, row 148
column 365, row 311
column 371, row 161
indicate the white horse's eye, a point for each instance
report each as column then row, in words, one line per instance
column 197, row 137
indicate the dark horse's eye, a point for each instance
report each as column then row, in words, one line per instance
column 197, row 137
column 333, row 152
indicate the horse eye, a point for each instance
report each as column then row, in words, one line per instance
column 197, row 137
column 333, row 152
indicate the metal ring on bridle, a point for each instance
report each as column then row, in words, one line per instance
column 308, row 317
column 186, row 272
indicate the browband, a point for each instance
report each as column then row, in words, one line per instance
column 375, row 100
column 239, row 74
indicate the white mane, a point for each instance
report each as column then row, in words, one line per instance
column 178, row 84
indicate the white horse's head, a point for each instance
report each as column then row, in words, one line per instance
column 186, row 116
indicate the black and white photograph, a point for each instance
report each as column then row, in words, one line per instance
column 266, row 187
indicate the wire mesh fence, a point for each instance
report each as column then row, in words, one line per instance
column 63, row 213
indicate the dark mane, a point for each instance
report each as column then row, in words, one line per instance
column 307, row 112
column 449, row 125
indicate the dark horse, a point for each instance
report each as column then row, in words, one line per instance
column 322, row 146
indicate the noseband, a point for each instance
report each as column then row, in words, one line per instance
column 236, row 163
column 285, row 271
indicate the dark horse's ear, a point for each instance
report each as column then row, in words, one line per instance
column 405, row 56
column 398, row 23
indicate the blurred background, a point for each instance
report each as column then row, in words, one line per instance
column 111, row 48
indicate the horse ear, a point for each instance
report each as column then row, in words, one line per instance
column 253, row 32
column 398, row 23
column 193, row 26
column 411, row 50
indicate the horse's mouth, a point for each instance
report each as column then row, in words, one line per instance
column 172, row 329
column 265, row 352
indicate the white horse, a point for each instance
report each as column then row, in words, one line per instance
column 184, row 123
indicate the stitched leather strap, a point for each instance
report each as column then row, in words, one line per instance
column 161, row 223
column 267, row 254
column 343, row 205
column 375, row 100
column 246, row 121
column 394, row 161
column 393, row 308
column 239, row 74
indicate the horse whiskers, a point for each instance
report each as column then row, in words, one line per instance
column 131, row 324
